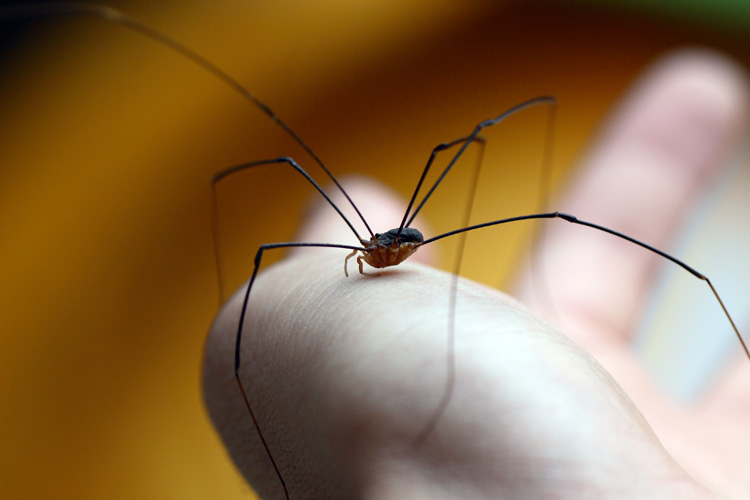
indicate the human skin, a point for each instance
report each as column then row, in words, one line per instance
column 343, row 373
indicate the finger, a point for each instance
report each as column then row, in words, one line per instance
column 342, row 374
column 379, row 205
column 667, row 139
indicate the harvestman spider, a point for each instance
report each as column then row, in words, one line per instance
column 380, row 250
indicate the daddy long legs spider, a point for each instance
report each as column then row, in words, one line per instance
column 548, row 215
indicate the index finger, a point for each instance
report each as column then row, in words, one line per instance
column 664, row 143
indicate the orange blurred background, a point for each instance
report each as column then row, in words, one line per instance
column 108, row 143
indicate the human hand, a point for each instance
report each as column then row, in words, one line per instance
column 680, row 125
column 343, row 374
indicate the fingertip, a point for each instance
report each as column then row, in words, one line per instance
column 713, row 72
column 687, row 107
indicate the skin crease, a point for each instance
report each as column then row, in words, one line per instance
column 344, row 373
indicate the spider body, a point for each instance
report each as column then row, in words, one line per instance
column 387, row 249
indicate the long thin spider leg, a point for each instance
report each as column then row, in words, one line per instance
column 117, row 17
column 545, row 174
column 689, row 269
column 573, row 219
column 450, row 379
column 435, row 151
column 238, row 340
column 548, row 100
column 539, row 267
column 215, row 209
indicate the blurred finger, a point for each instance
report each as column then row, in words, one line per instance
column 667, row 139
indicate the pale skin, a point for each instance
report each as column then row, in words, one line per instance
column 344, row 372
